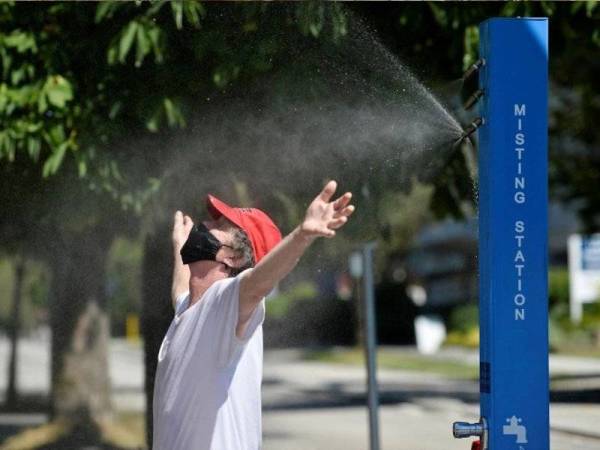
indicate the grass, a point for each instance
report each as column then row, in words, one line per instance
column 124, row 432
column 401, row 361
column 577, row 350
column 35, row 437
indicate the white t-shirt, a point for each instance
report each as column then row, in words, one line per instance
column 207, row 388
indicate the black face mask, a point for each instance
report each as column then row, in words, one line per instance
column 201, row 245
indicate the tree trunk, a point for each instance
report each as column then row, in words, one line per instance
column 11, row 394
column 157, row 311
column 80, row 328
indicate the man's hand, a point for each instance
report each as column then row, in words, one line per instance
column 182, row 225
column 324, row 216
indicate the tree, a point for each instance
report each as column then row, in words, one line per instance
column 67, row 102
column 97, row 101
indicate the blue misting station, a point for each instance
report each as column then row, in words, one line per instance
column 514, row 381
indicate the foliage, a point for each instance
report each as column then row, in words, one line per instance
column 123, row 280
column 34, row 298
column 64, row 96
column 279, row 305
column 468, row 339
column 449, row 32
column 463, row 326
column 70, row 101
column 464, row 318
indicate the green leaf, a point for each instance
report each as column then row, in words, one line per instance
column 58, row 90
column 590, row 5
column 339, row 21
column 548, row 7
column 42, row 103
column 143, row 45
column 177, row 8
column 34, row 146
column 55, row 135
column 596, row 37
column 81, row 168
column 192, row 11
column 173, row 113
column 6, row 59
column 112, row 53
column 17, row 76
column 510, row 9
column 576, row 6
column 3, row 98
column 471, row 46
column 152, row 123
column 106, row 9
column 311, row 17
column 7, row 146
column 155, row 8
column 114, row 110
column 126, row 40
column 54, row 161
column 440, row 15
column 21, row 41
column 34, row 127
column 155, row 35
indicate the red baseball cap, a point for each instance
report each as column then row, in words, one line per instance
column 262, row 232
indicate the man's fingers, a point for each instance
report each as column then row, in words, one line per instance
column 178, row 217
column 187, row 221
column 328, row 191
column 337, row 223
column 328, row 233
column 346, row 212
column 342, row 201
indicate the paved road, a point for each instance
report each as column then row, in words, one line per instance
column 311, row 405
column 33, row 370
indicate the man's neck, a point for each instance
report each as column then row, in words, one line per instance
column 198, row 287
column 203, row 275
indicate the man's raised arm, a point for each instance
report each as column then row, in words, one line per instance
column 181, row 273
column 322, row 218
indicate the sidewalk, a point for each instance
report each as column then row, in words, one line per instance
column 321, row 406
column 317, row 405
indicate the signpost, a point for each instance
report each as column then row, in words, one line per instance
column 371, row 345
column 361, row 265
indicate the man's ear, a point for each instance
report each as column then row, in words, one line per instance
column 233, row 260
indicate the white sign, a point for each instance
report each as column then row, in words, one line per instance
column 584, row 272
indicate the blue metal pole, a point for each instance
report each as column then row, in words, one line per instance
column 513, row 233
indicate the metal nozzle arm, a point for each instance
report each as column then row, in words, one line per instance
column 474, row 68
column 473, row 99
column 471, row 128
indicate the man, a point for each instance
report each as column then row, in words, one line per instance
column 207, row 388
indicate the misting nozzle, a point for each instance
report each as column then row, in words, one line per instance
column 473, row 99
column 469, row 131
column 471, row 128
column 474, row 68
